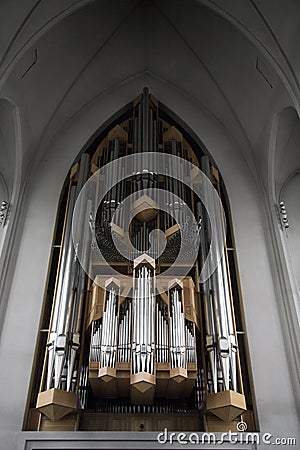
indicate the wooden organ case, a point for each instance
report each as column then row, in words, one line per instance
column 140, row 349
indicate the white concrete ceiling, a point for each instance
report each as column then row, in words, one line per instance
column 58, row 55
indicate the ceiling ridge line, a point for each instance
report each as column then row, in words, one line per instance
column 99, row 49
column 281, row 73
column 280, row 48
column 212, row 78
column 18, row 31
column 37, row 34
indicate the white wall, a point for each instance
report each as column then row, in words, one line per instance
column 275, row 402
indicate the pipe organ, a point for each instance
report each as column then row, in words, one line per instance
column 143, row 338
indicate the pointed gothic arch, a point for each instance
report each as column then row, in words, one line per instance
column 140, row 341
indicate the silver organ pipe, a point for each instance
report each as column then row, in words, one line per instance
column 177, row 325
column 219, row 316
column 190, row 342
column 95, row 347
column 162, row 338
column 124, row 340
column 228, row 345
column 109, row 330
column 64, row 338
column 82, row 389
column 143, row 329
column 144, row 335
column 145, row 346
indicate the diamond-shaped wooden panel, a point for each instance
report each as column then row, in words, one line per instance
column 226, row 405
column 56, row 403
column 144, row 208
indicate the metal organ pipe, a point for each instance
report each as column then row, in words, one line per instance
column 162, row 349
column 219, row 316
column 63, row 340
column 190, row 342
column 95, row 347
column 143, row 345
column 109, row 334
column 124, row 342
column 228, row 345
column 177, row 324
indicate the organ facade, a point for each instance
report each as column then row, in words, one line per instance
column 142, row 312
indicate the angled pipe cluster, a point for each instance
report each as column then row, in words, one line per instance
column 143, row 323
column 221, row 344
column 109, row 330
column 124, row 341
column 177, row 330
column 162, row 333
column 64, row 337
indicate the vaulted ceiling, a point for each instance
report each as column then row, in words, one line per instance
column 237, row 59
